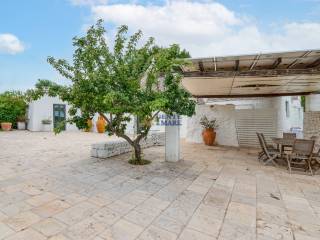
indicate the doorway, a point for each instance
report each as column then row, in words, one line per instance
column 59, row 115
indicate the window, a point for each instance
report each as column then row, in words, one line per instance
column 287, row 109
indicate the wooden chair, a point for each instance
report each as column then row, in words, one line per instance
column 288, row 136
column 301, row 156
column 270, row 154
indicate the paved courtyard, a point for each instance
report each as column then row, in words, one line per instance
column 51, row 189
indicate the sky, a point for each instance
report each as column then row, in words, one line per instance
column 32, row 30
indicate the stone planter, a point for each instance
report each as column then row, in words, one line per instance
column 21, row 125
column 46, row 128
column 6, row 126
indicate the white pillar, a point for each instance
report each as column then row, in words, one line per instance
column 313, row 103
column 172, row 140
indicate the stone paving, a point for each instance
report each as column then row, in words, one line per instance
column 51, row 189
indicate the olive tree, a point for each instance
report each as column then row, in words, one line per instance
column 132, row 79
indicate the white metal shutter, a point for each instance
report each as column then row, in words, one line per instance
column 251, row 121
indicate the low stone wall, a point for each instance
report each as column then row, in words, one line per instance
column 117, row 147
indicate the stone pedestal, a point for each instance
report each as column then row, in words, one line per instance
column 172, row 143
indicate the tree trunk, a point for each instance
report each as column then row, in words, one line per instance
column 137, row 153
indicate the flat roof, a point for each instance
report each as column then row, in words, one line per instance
column 255, row 75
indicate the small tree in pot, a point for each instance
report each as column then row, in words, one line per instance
column 208, row 133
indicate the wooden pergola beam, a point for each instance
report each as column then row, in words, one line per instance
column 237, row 63
column 276, row 63
column 255, row 73
column 256, row 95
column 314, row 64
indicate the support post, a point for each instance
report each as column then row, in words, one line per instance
column 172, row 138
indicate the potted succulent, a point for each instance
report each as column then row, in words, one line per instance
column 209, row 127
column 46, row 125
column 21, row 122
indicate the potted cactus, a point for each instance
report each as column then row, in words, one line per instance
column 209, row 127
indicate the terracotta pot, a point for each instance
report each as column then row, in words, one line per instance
column 209, row 136
column 90, row 124
column 101, row 125
column 6, row 126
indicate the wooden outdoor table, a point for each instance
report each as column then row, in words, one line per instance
column 282, row 143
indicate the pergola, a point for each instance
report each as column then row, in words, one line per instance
column 259, row 75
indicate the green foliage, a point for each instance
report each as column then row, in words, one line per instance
column 12, row 106
column 303, row 103
column 208, row 124
column 131, row 79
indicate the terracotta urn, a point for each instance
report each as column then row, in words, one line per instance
column 209, row 136
column 101, row 125
column 90, row 124
column 6, row 126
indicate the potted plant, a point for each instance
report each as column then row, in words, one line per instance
column 208, row 133
column 46, row 125
column 101, row 125
column 89, row 125
column 12, row 105
column 21, row 122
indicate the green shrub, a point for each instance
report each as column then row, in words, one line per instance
column 12, row 106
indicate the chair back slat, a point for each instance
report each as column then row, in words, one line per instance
column 264, row 144
column 303, row 147
column 289, row 135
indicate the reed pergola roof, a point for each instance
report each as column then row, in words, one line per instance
column 260, row 75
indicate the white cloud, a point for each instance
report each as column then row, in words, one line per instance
column 10, row 44
column 87, row 2
column 208, row 28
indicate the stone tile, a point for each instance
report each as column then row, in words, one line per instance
column 190, row 234
column 86, row 229
column 155, row 233
column 59, row 236
column 26, row 235
column 121, row 207
column 15, row 208
column 241, row 213
column 41, row 199
column 22, row 220
column 273, row 231
column 154, row 202
column 122, row 230
column 231, row 230
column 135, row 197
column 49, row 227
column 101, row 199
column 74, row 198
column 51, row 208
column 107, row 216
column 139, row 218
column 169, row 224
column 5, row 231
column 77, row 213
column 205, row 224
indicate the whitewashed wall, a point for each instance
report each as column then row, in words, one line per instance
column 225, row 115
column 43, row 109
